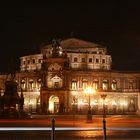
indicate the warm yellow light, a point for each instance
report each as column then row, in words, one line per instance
column 114, row 103
column 89, row 90
column 74, row 93
column 30, row 103
column 50, row 106
column 123, row 103
column 82, row 103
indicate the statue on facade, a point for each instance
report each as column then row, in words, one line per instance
column 55, row 47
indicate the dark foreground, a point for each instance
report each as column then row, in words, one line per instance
column 118, row 128
column 69, row 135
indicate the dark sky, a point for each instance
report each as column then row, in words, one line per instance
column 26, row 25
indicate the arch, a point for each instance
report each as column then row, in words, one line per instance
column 39, row 81
column 84, row 83
column 105, row 84
column 114, row 85
column 95, row 84
column 54, row 104
column 31, row 84
column 22, row 83
column 55, row 82
column 74, row 84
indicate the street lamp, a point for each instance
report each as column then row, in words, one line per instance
column 88, row 91
column 74, row 107
column 103, row 96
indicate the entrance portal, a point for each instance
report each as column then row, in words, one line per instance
column 54, row 104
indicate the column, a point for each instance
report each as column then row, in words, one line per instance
column 138, row 112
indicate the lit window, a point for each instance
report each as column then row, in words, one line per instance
column 84, row 83
column 31, row 82
column 56, row 84
column 39, row 83
column 95, row 84
column 74, row 85
column 105, row 85
column 130, row 84
column 114, row 85
column 22, row 84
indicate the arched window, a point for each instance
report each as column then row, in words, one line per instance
column 105, row 85
column 39, row 83
column 95, row 84
column 22, row 82
column 114, row 85
column 130, row 84
column 74, row 84
column 56, row 82
column 31, row 82
column 84, row 83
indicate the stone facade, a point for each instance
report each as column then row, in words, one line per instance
column 55, row 80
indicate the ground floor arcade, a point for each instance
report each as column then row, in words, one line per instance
column 61, row 102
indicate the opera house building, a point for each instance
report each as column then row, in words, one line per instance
column 73, row 75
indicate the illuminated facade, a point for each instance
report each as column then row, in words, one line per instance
column 54, row 80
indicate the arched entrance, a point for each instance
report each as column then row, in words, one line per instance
column 54, row 104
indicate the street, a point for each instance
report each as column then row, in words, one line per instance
column 71, row 128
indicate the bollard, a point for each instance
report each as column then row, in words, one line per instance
column 53, row 129
column 104, row 128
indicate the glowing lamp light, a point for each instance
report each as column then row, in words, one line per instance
column 123, row 103
column 114, row 103
column 89, row 90
column 30, row 103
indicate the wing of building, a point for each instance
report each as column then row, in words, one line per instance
column 55, row 80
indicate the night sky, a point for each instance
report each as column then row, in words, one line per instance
column 24, row 26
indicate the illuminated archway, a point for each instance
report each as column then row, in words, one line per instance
column 54, row 104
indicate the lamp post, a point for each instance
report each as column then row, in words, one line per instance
column 88, row 91
column 103, row 96
column 74, row 108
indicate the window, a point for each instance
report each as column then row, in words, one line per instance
column 22, row 82
column 97, row 60
column 39, row 83
column 84, row 83
column 83, row 60
column 33, row 61
column 114, row 85
column 95, row 84
column 31, row 83
column 90, row 59
column 28, row 61
column 39, row 60
column 24, row 62
column 74, row 84
column 75, row 59
column 56, row 84
column 130, row 84
column 103, row 60
column 105, row 85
